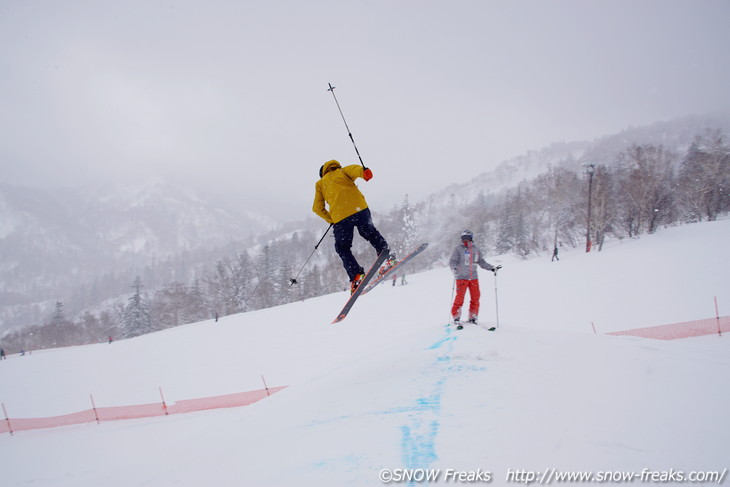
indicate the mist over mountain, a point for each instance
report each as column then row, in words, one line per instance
column 676, row 135
column 55, row 243
column 85, row 247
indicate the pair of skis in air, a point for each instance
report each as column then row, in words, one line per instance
column 366, row 285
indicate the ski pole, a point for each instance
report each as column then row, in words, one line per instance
column 293, row 280
column 332, row 89
column 453, row 290
column 496, row 300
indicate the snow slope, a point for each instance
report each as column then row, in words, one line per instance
column 393, row 387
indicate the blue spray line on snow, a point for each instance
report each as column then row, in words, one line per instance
column 419, row 434
column 418, row 443
column 442, row 341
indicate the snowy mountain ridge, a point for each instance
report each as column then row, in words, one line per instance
column 107, row 223
column 54, row 241
column 674, row 135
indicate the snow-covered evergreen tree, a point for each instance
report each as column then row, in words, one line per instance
column 136, row 319
column 705, row 177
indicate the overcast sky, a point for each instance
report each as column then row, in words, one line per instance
column 231, row 95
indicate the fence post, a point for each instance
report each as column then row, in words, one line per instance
column 164, row 405
column 93, row 406
column 265, row 386
column 7, row 420
column 594, row 328
column 717, row 315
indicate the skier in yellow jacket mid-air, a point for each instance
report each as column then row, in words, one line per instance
column 347, row 210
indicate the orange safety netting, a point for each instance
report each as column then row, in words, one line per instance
column 138, row 411
column 709, row 326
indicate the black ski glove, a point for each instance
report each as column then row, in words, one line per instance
column 496, row 269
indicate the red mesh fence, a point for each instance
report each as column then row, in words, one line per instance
column 226, row 401
column 138, row 411
column 709, row 326
column 19, row 424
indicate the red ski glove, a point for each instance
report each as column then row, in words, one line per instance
column 367, row 174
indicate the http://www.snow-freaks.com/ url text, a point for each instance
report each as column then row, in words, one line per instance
column 549, row 476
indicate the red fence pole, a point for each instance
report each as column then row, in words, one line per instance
column 10, row 428
column 93, row 406
column 164, row 406
column 717, row 314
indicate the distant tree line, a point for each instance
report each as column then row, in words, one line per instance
column 642, row 189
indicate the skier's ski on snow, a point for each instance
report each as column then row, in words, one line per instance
column 371, row 272
column 390, row 271
column 460, row 325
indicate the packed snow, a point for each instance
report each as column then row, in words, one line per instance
column 393, row 393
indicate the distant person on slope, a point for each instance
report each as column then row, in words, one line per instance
column 463, row 263
column 347, row 210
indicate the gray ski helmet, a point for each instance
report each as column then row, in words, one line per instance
column 467, row 235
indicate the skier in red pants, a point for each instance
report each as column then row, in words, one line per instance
column 463, row 263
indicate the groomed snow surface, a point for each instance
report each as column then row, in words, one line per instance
column 393, row 387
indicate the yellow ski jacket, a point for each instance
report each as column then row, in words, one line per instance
column 337, row 188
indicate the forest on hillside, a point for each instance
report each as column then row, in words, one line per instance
column 636, row 191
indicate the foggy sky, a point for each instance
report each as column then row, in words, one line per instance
column 231, row 95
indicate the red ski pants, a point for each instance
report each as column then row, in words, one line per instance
column 461, row 286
